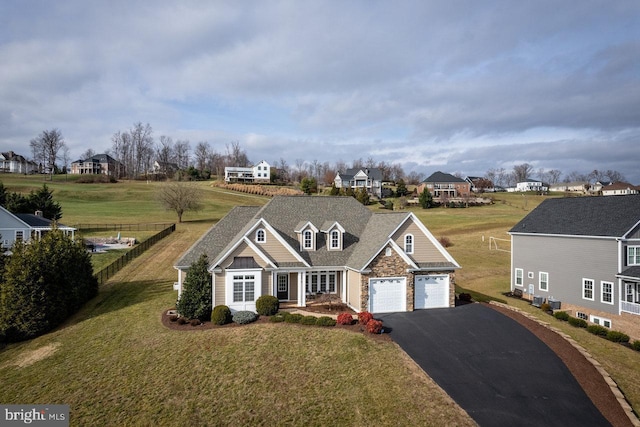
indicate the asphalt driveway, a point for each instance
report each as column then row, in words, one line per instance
column 493, row 367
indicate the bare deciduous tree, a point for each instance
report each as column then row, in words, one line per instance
column 522, row 172
column 180, row 197
column 46, row 147
column 201, row 154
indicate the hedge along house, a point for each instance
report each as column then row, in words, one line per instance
column 296, row 247
column 582, row 253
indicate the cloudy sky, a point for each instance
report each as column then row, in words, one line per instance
column 456, row 86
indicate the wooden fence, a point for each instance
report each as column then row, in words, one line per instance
column 106, row 272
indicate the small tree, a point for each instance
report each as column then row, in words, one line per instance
column 401, row 189
column 335, row 191
column 362, row 196
column 195, row 300
column 180, row 197
column 308, row 185
column 426, row 199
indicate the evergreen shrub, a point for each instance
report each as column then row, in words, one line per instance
column 325, row 321
column 221, row 315
column 244, row 317
column 267, row 305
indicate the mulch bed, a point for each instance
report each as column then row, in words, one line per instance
column 585, row 373
column 356, row 328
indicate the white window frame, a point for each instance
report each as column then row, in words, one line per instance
column 581, row 315
column 261, row 235
column 600, row 321
column 233, row 276
column 602, row 292
column 19, row 236
column 633, row 255
column 409, row 243
column 541, row 281
column 334, row 239
column 326, row 282
column 519, row 277
column 307, row 243
column 585, row 289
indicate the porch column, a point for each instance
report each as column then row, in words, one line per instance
column 302, row 295
column 343, row 286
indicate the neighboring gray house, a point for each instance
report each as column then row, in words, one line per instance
column 98, row 164
column 585, row 253
column 368, row 178
column 296, row 247
column 25, row 227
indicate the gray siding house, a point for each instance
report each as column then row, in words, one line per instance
column 296, row 247
column 585, row 253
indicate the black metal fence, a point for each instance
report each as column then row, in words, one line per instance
column 106, row 272
column 124, row 227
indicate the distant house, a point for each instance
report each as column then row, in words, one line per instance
column 618, row 189
column 531, row 185
column 582, row 253
column 581, row 187
column 99, row 164
column 296, row 248
column 260, row 172
column 167, row 168
column 24, row 227
column 480, row 184
column 368, row 178
column 443, row 185
column 11, row 162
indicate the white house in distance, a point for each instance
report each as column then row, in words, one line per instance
column 11, row 162
column 530, row 185
column 367, row 178
column 260, row 172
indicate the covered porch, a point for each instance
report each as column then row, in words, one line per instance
column 630, row 290
column 303, row 287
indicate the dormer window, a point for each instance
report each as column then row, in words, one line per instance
column 261, row 236
column 408, row 243
column 334, row 233
column 307, row 239
column 335, row 239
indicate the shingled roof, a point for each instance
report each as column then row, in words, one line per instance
column 365, row 232
column 612, row 216
column 443, row 177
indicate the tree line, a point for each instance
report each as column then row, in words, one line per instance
column 136, row 150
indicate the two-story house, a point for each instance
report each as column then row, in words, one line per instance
column 531, row 185
column 260, row 172
column 585, row 253
column 99, row 164
column 11, row 162
column 445, row 186
column 355, row 178
column 295, row 247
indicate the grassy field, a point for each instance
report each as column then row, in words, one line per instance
column 115, row 364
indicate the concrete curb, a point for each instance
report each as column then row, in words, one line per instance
column 612, row 384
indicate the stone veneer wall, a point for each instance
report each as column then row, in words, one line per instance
column 395, row 266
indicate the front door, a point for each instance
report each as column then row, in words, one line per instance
column 282, row 291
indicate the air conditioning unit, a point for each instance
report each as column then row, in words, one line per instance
column 537, row 301
column 555, row 304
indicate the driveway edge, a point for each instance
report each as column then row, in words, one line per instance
column 626, row 407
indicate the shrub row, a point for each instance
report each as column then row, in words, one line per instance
column 372, row 325
column 287, row 317
column 260, row 190
column 599, row 330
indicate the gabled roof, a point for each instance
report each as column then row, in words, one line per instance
column 611, row 216
column 443, row 177
column 98, row 158
column 373, row 173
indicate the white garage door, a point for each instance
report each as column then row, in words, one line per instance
column 387, row 295
column 432, row 291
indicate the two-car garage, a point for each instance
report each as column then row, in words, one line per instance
column 388, row 295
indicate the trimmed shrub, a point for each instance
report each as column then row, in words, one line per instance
column 374, row 326
column 561, row 315
column 195, row 322
column 267, row 305
column 308, row 320
column 545, row 306
column 598, row 330
column 464, row 297
column 173, row 318
column 636, row 345
column 277, row 318
column 195, row 300
column 578, row 323
column 325, row 321
column 617, row 336
column 364, row 317
column 182, row 321
column 345, row 319
column 244, row 317
column 293, row 318
column 221, row 315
